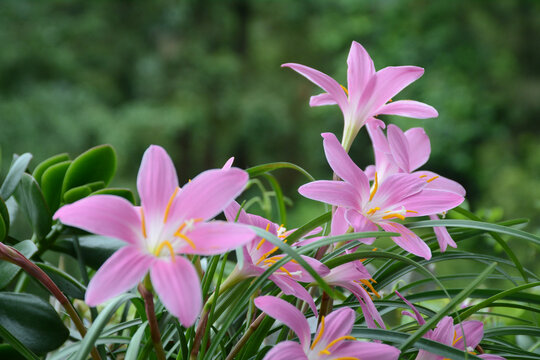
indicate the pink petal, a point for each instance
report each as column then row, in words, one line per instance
column 443, row 237
column 304, row 276
column 389, row 82
column 208, row 194
column 360, row 69
column 444, row 332
column 339, row 223
column 106, row 215
column 417, row 315
column 228, row 164
column 324, row 81
column 408, row 240
column 122, row 271
column 286, row 350
column 287, row 314
column 360, row 224
column 440, row 183
column 399, row 146
column 419, row 147
column 233, row 211
column 290, row 287
column 409, row 108
column 474, row 332
column 343, row 166
column 366, row 303
column 395, row 189
column 365, row 351
column 337, row 324
column 217, row 237
column 156, row 183
column 350, row 271
column 178, row 287
column 370, row 172
column 429, row 202
column 322, row 100
column 338, row 193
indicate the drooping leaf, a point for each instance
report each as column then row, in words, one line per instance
column 8, row 271
column 32, row 203
column 32, row 321
column 95, row 249
column 4, row 220
column 46, row 164
column 125, row 193
column 76, row 193
column 95, row 164
column 65, row 282
column 14, row 175
column 51, row 184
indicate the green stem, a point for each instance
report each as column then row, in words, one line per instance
column 254, row 325
column 152, row 321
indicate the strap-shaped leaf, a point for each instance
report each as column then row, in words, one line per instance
column 14, row 175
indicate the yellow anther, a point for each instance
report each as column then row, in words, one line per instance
column 169, row 246
column 326, row 352
column 347, row 358
column 185, row 238
column 423, row 176
column 368, row 284
column 319, row 335
column 263, row 239
column 169, row 204
column 375, row 187
column 143, row 223
column 285, row 271
column 391, row 216
column 373, row 210
column 412, row 211
column 433, row 178
column 266, row 254
column 345, row 89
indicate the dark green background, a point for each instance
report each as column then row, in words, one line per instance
column 203, row 79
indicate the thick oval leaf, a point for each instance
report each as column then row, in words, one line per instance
column 15, row 345
column 32, row 321
column 95, row 249
column 65, row 282
column 125, row 193
column 8, row 271
column 51, row 184
column 96, row 164
column 77, row 193
column 14, row 175
column 44, row 165
column 4, row 215
column 32, row 203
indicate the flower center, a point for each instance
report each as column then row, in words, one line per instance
column 326, row 350
column 169, row 246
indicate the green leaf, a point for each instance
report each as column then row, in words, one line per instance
column 4, row 220
column 95, row 249
column 32, row 203
column 3, row 230
column 14, row 175
column 125, row 193
column 65, row 282
column 32, row 321
column 99, row 324
column 135, row 343
column 46, row 164
column 95, row 164
column 8, row 271
column 261, row 169
column 77, row 193
column 279, row 198
column 51, row 184
column 16, row 350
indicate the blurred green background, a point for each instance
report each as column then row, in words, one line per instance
column 203, row 79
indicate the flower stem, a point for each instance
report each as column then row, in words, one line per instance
column 254, row 325
column 15, row 257
column 148, row 298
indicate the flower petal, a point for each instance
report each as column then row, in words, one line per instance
column 337, row 193
column 428, row 202
column 409, row 108
column 122, row 271
column 233, row 211
column 322, row 100
column 228, row 163
column 324, row 81
column 408, row 240
column 419, row 147
column 177, row 284
column 286, row 350
column 389, row 82
column 395, row 189
column 360, row 69
column 365, row 351
column 216, row 237
column 437, row 182
column 290, row 287
column 208, row 194
column 371, row 314
column 417, row 315
column 287, row 314
column 443, row 237
column 474, row 332
column 106, row 215
column 337, row 324
column 343, row 165
column 444, row 332
column 156, row 183
column 399, row 146
column 353, row 270
column 360, row 224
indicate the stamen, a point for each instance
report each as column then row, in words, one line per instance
column 344, row 88
column 143, row 223
column 326, row 352
column 373, row 210
column 186, row 239
column 169, row 205
column 169, row 246
column 285, row 271
column 423, row 176
column 433, row 178
column 375, row 187
column 412, row 211
column 368, row 284
column 266, row 254
column 319, row 335
column 391, row 216
column 263, row 239
column 347, row 358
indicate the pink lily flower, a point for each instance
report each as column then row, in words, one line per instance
column 332, row 340
column 397, row 197
column 470, row 332
column 369, row 93
column 404, row 152
column 259, row 256
column 170, row 221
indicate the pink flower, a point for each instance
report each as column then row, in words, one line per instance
column 170, row 221
column 369, row 92
column 259, row 256
column 397, row 197
column 404, row 152
column 470, row 332
column 332, row 340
